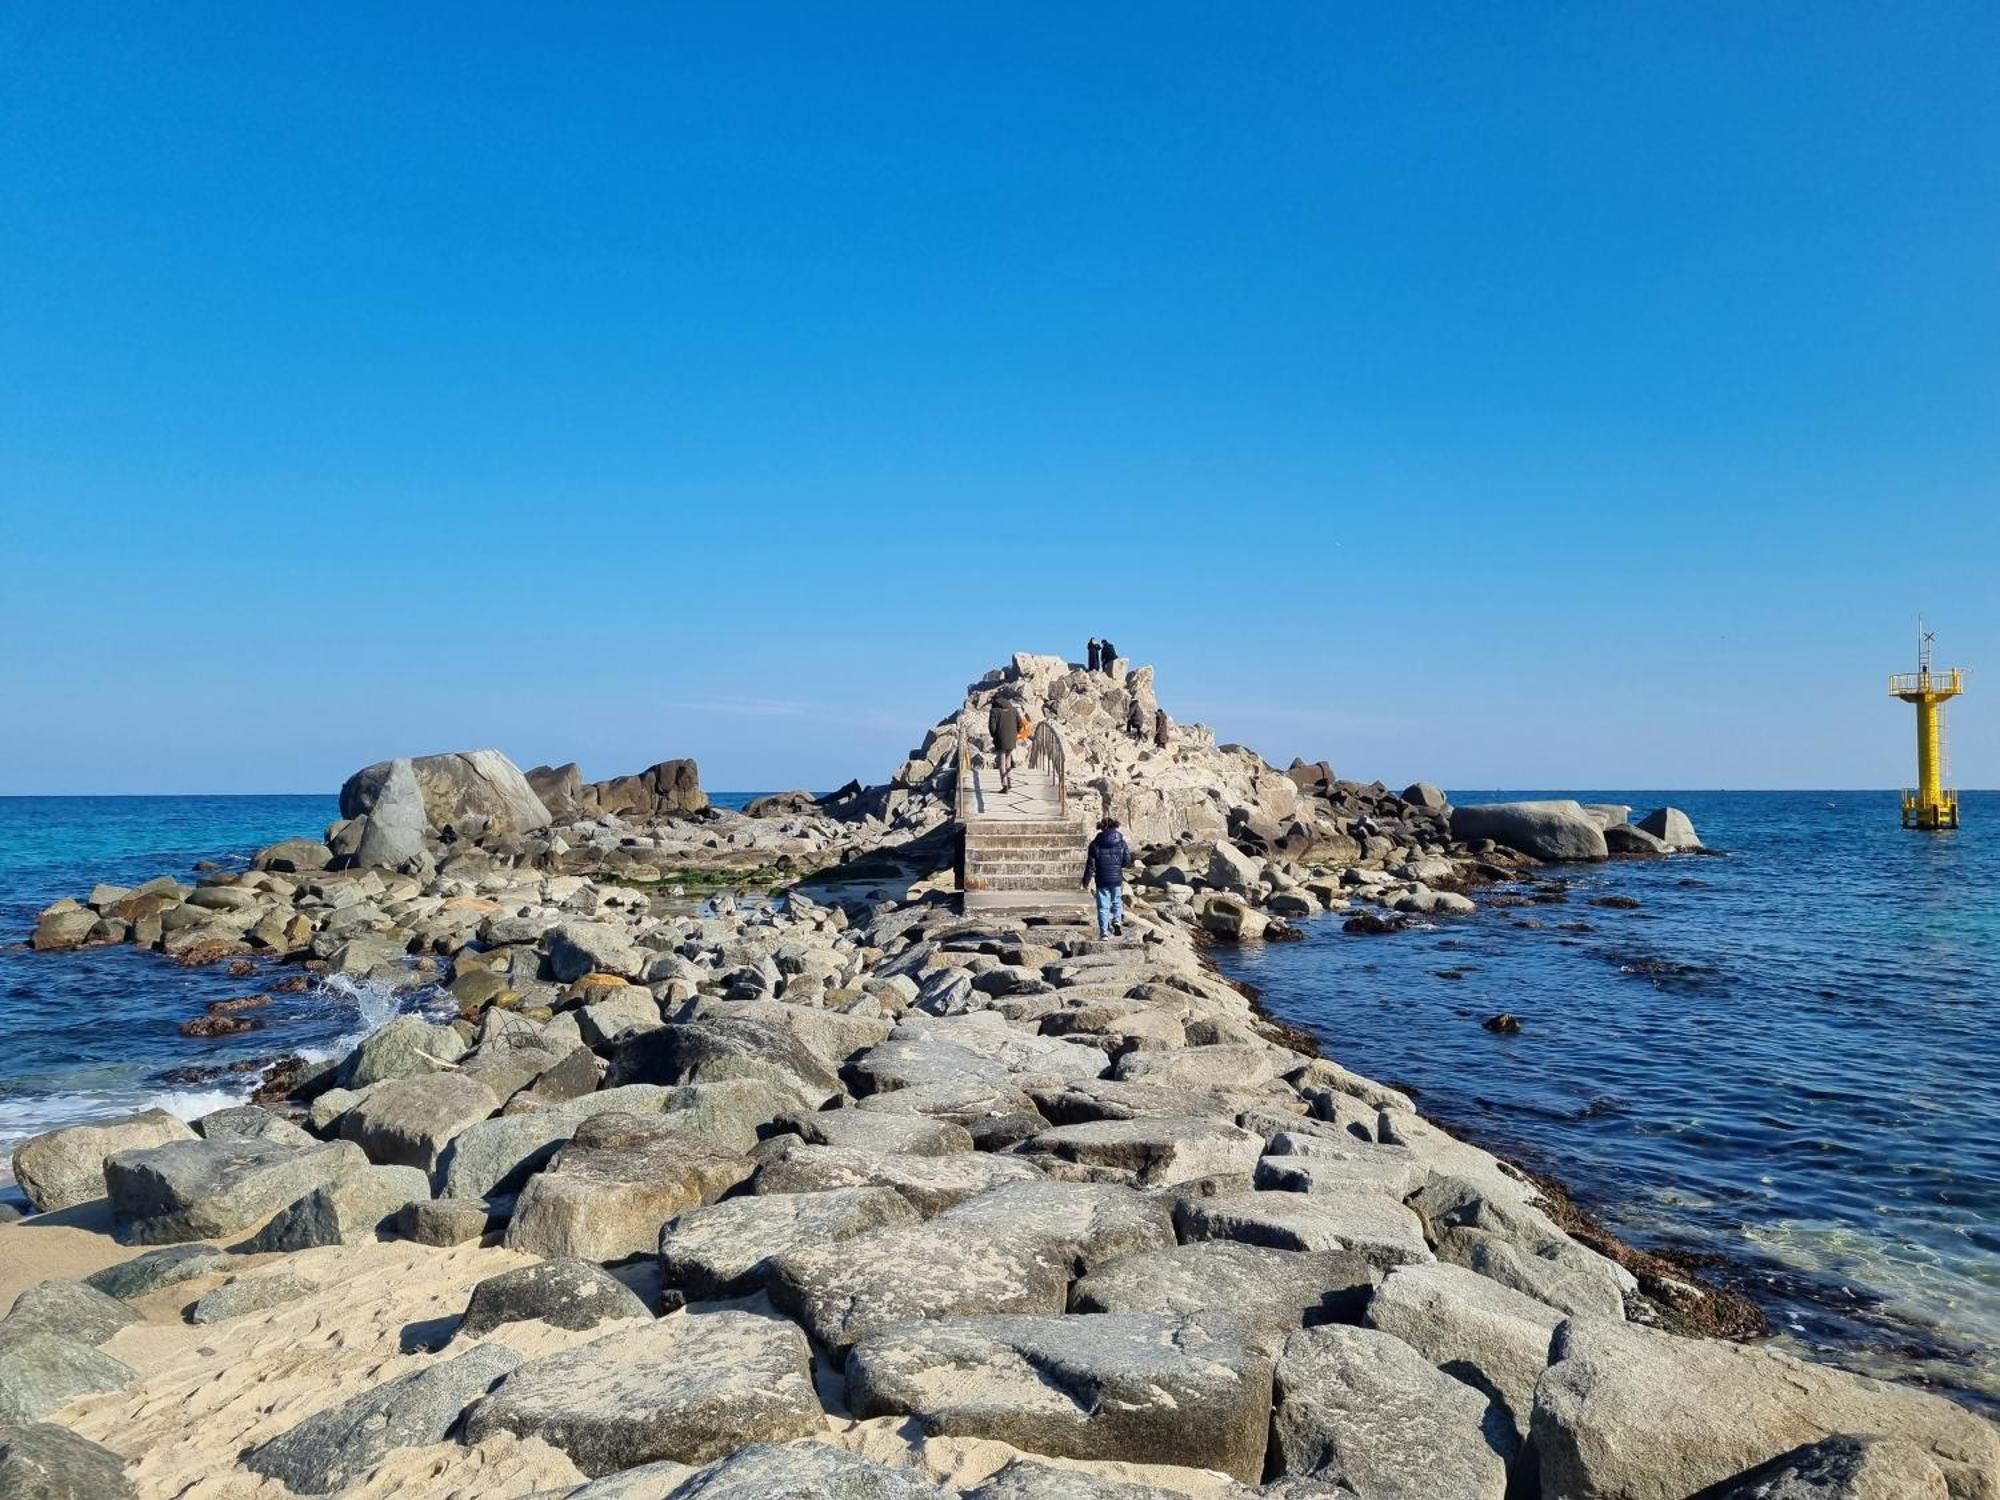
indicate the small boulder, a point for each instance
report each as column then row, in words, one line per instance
column 726, row 1249
column 43, row 1461
column 580, row 948
column 250, row 1294
column 168, row 1266
column 43, row 1372
column 1671, row 827
column 563, row 1293
column 61, row 1168
column 199, row 1190
column 352, row 1209
column 68, row 1309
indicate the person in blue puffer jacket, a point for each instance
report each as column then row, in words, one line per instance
column 1105, row 862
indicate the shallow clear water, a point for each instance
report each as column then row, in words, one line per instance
column 1786, row 1056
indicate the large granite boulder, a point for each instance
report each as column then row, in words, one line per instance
column 726, row 1249
column 1626, row 1411
column 801, row 1470
column 61, row 1168
column 331, row 1448
column 389, row 834
column 931, row 1183
column 1110, row 1386
column 1671, row 827
column 350, row 1210
column 1076, row 1225
column 610, row 1189
column 42, row 1461
column 1362, row 1407
column 580, row 948
column 68, row 1309
column 559, row 787
column 407, row 1047
column 563, row 1293
column 455, row 788
column 1840, row 1468
column 690, row 1388
column 1376, row 1227
column 408, row 1122
column 1152, row 1152
column 200, row 1190
column 723, row 1050
column 43, row 1372
column 670, row 789
column 1272, row 1292
column 1555, row 829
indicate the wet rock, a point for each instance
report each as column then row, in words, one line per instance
column 931, row 1183
column 726, row 1249
column 68, row 1309
column 691, row 1388
column 1487, row 1335
column 842, row 1290
column 1626, row 1411
column 198, row 1190
column 1373, row 1226
column 1362, row 1407
column 1841, row 1468
column 1506, row 1023
column 218, row 1025
column 42, row 1372
column 250, row 1294
column 563, row 1293
column 352, row 1209
column 61, row 1168
column 1671, row 827
column 1273, row 1292
column 408, row 1122
column 1154, row 1152
column 42, row 1461
column 611, row 1188
column 330, row 1449
column 1109, row 1386
column 134, row 1278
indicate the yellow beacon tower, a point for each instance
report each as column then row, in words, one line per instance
column 1931, row 804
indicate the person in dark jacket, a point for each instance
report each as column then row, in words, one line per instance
column 1096, row 654
column 1162, row 727
column 1109, row 653
column 1105, row 862
column 1003, row 722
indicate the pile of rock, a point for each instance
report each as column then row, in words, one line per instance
column 909, row 1178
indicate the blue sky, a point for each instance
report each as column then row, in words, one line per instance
column 1507, row 395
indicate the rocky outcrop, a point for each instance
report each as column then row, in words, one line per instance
column 670, row 789
column 1557, row 830
column 1671, row 827
column 468, row 792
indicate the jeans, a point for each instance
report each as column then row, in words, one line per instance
column 1110, row 908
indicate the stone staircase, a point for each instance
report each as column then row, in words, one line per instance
column 1023, row 852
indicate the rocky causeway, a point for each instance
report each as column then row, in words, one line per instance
column 862, row 1188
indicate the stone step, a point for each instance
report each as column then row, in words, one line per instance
column 1065, row 864
column 977, row 827
column 981, row 881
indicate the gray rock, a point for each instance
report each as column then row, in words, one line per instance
column 62, row 1168
column 200, row 1190
column 564, row 1293
column 1623, row 838
column 1626, row 1411
column 1558, row 829
column 691, row 1388
column 1359, row 1406
column 1024, row 1479
column 1671, row 827
column 784, row 1471
column 408, row 1122
column 721, row 1051
column 42, row 1461
column 1110, row 1386
column 931, row 1183
column 1273, row 1292
column 393, row 823
column 1423, row 794
column 293, row 856
column 1519, row 1247
column 170, row 1266
column 843, row 1290
column 41, row 1373
column 450, row 789
column 1840, row 1468
column 250, row 1122
column 408, row 1047
column 630, row 1008
column 67, row 1309
column 1155, row 1152
column 725, row 1249
column 1337, row 1167
column 349, row 1210
column 872, row 1130
column 1378, row 1228
column 250, row 1294
column 611, row 1188
column 331, row 1448
column 580, row 948
column 1220, row 1066
column 1077, row 1225
column 1485, row 1334
column 444, row 1221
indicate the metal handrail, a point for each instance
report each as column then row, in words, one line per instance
column 1045, row 747
column 1944, row 682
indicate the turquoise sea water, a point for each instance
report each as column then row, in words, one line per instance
column 1788, row 1056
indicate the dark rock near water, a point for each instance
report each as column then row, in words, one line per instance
column 62, row 1168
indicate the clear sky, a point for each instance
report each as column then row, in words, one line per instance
column 1510, row 395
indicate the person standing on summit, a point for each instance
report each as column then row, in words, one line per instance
column 1096, row 654
column 1109, row 653
column 1105, row 861
column 1003, row 721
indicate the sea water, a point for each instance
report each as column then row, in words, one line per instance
column 1787, row 1056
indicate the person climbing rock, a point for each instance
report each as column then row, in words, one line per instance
column 1005, row 721
column 1162, row 727
column 1104, row 862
